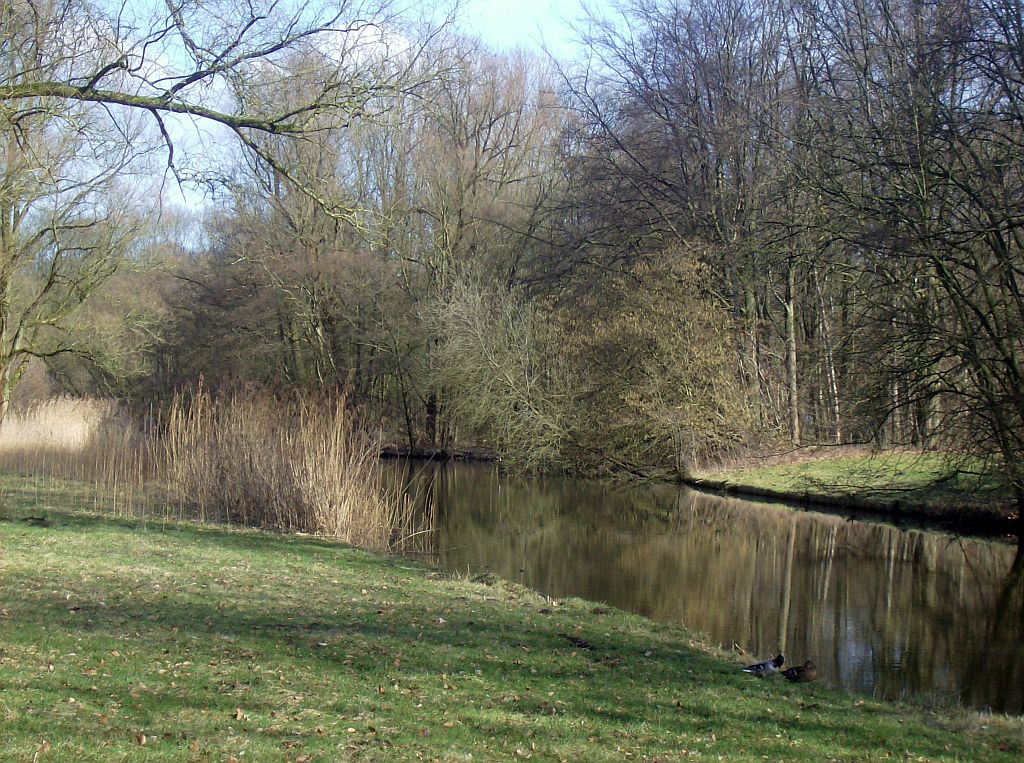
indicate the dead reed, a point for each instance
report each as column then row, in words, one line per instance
column 295, row 465
column 83, row 439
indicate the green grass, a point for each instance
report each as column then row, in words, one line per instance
column 912, row 478
column 168, row 641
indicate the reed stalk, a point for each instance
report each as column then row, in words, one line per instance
column 292, row 465
column 86, row 440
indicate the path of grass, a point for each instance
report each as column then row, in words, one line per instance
column 120, row 641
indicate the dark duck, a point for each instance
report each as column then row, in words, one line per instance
column 766, row 668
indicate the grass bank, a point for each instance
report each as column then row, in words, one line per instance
column 172, row 641
column 907, row 484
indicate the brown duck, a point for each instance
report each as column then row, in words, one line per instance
column 801, row 673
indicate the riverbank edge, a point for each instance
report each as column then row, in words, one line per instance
column 994, row 522
column 467, row 455
column 997, row 522
column 374, row 572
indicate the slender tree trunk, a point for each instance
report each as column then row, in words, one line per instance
column 1017, row 571
column 754, row 354
column 831, row 378
column 896, row 416
column 791, row 361
column 432, row 415
column 410, row 432
column 5, row 397
column 292, row 358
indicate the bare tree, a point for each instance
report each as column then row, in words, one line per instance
column 918, row 109
column 66, row 184
column 496, row 361
column 681, row 117
column 189, row 57
column 79, row 78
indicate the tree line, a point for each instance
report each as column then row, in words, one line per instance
column 726, row 225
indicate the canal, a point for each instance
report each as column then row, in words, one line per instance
column 893, row 612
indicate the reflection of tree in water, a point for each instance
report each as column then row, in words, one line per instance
column 880, row 609
column 1001, row 644
column 886, row 610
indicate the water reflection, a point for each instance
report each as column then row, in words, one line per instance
column 894, row 612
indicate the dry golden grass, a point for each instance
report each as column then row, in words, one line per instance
column 791, row 456
column 248, row 458
column 84, row 439
column 57, row 424
column 295, row 464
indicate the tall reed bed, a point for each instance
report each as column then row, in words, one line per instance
column 86, row 440
column 294, row 464
column 250, row 458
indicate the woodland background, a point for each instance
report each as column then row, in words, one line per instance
column 729, row 226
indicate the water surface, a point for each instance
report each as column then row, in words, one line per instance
column 889, row 611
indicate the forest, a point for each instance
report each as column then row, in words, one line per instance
column 726, row 227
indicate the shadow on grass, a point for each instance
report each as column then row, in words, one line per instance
column 258, row 642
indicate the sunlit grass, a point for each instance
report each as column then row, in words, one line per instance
column 184, row 642
column 908, row 476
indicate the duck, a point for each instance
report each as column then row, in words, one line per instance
column 766, row 668
column 801, row 673
column 577, row 642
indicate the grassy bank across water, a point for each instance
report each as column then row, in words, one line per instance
column 897, row 484
column 125, row 640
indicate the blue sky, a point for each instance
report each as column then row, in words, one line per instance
column 505, row 24
column 500, row 24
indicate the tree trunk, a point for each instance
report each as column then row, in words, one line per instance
column 1017, row 570
column 432, row 415
column 5, row 397
column 791, row 366
column 831, row 378
column 754, row 354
